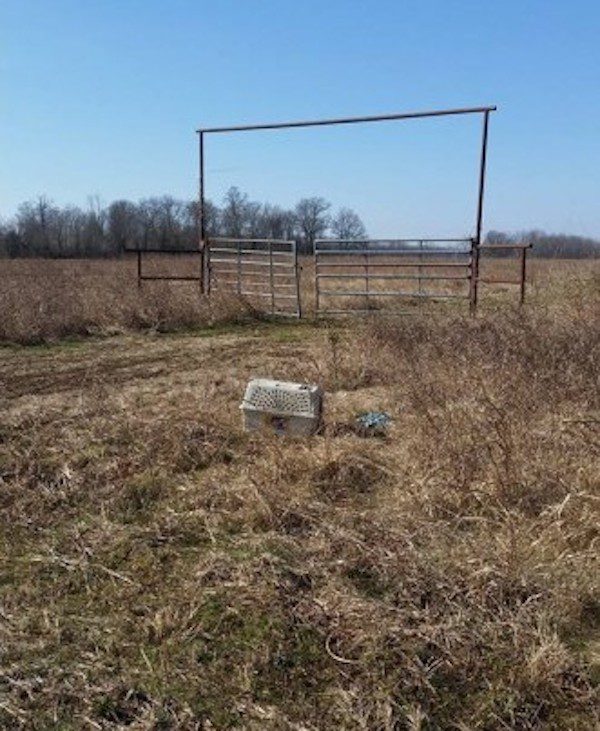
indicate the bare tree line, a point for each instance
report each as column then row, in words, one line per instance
column 41, row 228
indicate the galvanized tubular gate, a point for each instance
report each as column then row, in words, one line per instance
column 256, row 269
column 393, row 269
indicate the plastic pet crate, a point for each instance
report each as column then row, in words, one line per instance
column 282, row 407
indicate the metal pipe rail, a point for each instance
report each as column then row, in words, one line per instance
column 348, row 120
column 248, row 240
column 221, row 250
column 251, row 263
column 394, row 265
column 392, row 276
column 425, row 239
column 391, row 252
column 142, row 250
column 141, row 277
column 379, row 293
column 491, row 247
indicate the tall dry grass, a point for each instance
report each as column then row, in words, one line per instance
column 163, row 569
column 46, row 300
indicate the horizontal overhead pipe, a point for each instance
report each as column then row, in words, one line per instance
column 349, row 120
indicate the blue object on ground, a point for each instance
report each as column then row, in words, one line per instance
column 374, row 421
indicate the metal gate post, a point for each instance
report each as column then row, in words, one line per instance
column 420, row 270
column 271, row 278
column 297, row 280
column 201, row 215
column 523, row 275
column 207, row 266
column 477, row 241
column 367, row 287
column 239, row 267
column 472, row 278
column 316, row 264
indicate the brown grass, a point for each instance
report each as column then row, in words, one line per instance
column 46, row 300
column 162, row 569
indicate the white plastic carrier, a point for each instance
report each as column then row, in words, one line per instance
column 282, row 407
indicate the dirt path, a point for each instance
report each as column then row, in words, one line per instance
column 124, row 359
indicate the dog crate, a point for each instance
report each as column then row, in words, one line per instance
column 284, row 408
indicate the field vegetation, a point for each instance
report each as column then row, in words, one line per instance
column 162, row 569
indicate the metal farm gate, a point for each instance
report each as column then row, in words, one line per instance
column 362, row 277
column 376, row 275
column 386, row 276
column 263, row 271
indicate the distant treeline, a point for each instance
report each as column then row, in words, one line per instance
column 41, row 228
column 552, row 246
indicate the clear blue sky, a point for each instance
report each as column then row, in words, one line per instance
column 102, row 97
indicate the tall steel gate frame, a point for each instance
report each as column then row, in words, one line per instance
column 475, row 242
column 267, row 269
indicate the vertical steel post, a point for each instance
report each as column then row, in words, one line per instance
column 139, row 268
column 297, row 280
column 271, row 277
column 477, row 241
column 367, row 286
column 523, row 275
column 239, row 267
column 316, row 265
column 420, row 270
column 204, row 273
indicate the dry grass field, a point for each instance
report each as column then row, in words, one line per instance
column 44, row 300
column 162, row 569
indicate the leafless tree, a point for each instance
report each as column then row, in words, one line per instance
column 313, row 220
column 35, row 221
column 212, row 218
column 234, row 215
column 346, row 224
column 277, row 223
column 123, row 225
